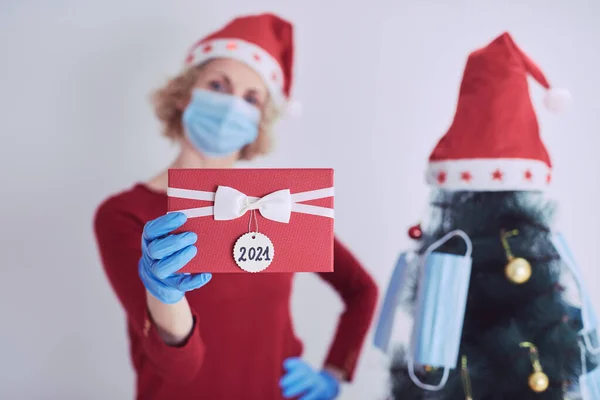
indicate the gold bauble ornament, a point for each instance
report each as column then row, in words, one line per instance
column 518, row 270
column 538, row 381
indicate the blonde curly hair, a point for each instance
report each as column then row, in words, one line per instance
column 167, row 103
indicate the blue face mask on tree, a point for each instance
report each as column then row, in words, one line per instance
column 589, row 381
column 588, row 315
column 441, row 303
column 385, row 323
column 219, row 124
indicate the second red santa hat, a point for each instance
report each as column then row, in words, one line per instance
column 494, row 142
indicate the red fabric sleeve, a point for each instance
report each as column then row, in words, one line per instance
column 359, row 293
column 118, row 235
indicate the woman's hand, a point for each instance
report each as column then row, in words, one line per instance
column 163, row 254
column 302, row 380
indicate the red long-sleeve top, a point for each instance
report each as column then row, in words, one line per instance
column 242, row 324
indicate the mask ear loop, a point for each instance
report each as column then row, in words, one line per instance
column 583, row 359
column 430, row 249
column 584, row 309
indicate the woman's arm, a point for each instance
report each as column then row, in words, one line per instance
column 359, row 293
column 339, row 374
column 174, row 322
column 169, row 334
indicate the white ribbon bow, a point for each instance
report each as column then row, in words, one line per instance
column 231, row 204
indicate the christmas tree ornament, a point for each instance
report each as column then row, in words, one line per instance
column 466, row 379
column 517, row 270
column 415, row 232
column 538, row 380
column 441, row 301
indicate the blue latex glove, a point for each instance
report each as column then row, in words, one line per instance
column 301, row 380
column 163, row 254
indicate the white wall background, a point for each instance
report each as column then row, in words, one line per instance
column 378, row 80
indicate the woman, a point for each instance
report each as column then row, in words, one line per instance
column 231, row 338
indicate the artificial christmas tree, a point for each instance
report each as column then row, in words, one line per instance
column 515, row 336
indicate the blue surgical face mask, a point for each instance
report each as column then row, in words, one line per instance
column 589, row 382
column 220, row 124
column 385, row 323
column 589, row 319
column 440, row 310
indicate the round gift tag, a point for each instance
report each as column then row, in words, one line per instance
column 253, row 252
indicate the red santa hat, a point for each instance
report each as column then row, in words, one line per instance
column 494, row 141
column 264, row 42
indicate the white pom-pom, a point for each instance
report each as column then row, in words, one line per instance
column 293, row 109
column 556, row 100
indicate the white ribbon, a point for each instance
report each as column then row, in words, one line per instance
column 230, row 203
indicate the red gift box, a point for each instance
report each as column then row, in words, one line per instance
column 256, row 220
